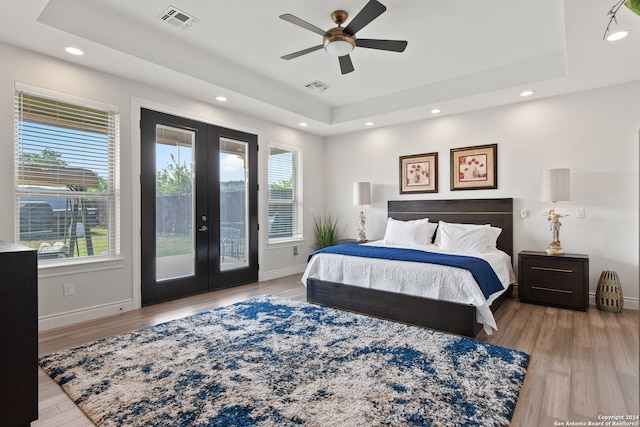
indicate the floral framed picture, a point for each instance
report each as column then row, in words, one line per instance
column 419, row 173
column 474, row 168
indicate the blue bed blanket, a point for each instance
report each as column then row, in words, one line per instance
column 480, row 269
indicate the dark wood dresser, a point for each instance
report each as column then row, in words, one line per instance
column 555, row 280
column 18, row 334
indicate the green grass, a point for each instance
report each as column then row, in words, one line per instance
column 166, row 245
column 99, row 239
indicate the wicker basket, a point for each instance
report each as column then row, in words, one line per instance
column 609, row 292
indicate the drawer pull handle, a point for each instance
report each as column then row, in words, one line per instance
column 540, row 288
column 559, row 270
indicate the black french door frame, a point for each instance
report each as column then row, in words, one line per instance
column 206, row 226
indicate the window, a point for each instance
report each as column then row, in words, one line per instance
column 65, row 177
column 285, row 193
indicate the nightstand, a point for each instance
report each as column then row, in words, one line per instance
column 555, row 280
column 348, row 241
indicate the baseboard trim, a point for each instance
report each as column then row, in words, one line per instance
column 95, row 312
column 84, row 314
column 283, row 272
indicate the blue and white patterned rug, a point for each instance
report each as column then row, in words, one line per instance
column 275, row 362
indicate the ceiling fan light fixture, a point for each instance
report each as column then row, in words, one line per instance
column 337, row 43
column 339, row 47
column 340, row 41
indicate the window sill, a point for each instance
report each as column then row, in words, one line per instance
column 72, row 266
column 284, row 243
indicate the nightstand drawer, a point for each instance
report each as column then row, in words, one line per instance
column 552, row 294
column 567, row 276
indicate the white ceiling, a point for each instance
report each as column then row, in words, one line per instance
column 462, row 55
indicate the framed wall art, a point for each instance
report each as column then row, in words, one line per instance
column 419, row 173
column 474, row 168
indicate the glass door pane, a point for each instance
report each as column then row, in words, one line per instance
column 234, row 222
column 175, row 181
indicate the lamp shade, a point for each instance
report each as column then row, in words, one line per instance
column 556, row 185
column 361, row 193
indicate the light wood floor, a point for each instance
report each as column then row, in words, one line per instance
column 582, row 364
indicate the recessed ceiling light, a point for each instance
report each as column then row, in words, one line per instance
column 303, row 124
column 221, row 98
column 618, row 35
column 73, row 51
column 369, row 124
column 526, row 93
column 435, row 111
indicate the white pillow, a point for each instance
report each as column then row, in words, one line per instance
column 469, row 240
column 491, row 236
column 442, row 224
column 409, row 233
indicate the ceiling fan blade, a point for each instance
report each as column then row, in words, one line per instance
column 346, row 66
column 369, row 12
column 304, row 24
column 392, row 45
column 302, row 52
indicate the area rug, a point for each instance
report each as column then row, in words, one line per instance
column 275, row 362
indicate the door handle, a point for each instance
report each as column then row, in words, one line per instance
column 203, row 228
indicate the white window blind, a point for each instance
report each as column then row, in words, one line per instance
column 285, row 193
column 66, row 154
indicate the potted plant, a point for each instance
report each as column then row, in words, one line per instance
column 326, row 230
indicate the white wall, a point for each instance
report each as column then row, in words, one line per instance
column 594, row 133
column 110, row 287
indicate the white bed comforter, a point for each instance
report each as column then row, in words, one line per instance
column 413, row 278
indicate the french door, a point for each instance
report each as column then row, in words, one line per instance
column 199, row 207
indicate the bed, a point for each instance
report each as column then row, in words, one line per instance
column 448, row 316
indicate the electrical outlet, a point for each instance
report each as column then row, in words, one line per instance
column 295, row 250
column 579, row 212
column 69, row 289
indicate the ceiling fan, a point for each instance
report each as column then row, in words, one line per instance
column 341, row 41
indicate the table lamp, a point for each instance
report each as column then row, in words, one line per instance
column 556, row 187
column 361, row 196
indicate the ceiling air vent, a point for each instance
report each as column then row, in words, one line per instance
column 317, row 86
column 178, row 18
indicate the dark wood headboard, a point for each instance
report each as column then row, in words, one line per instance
column 497, row 212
